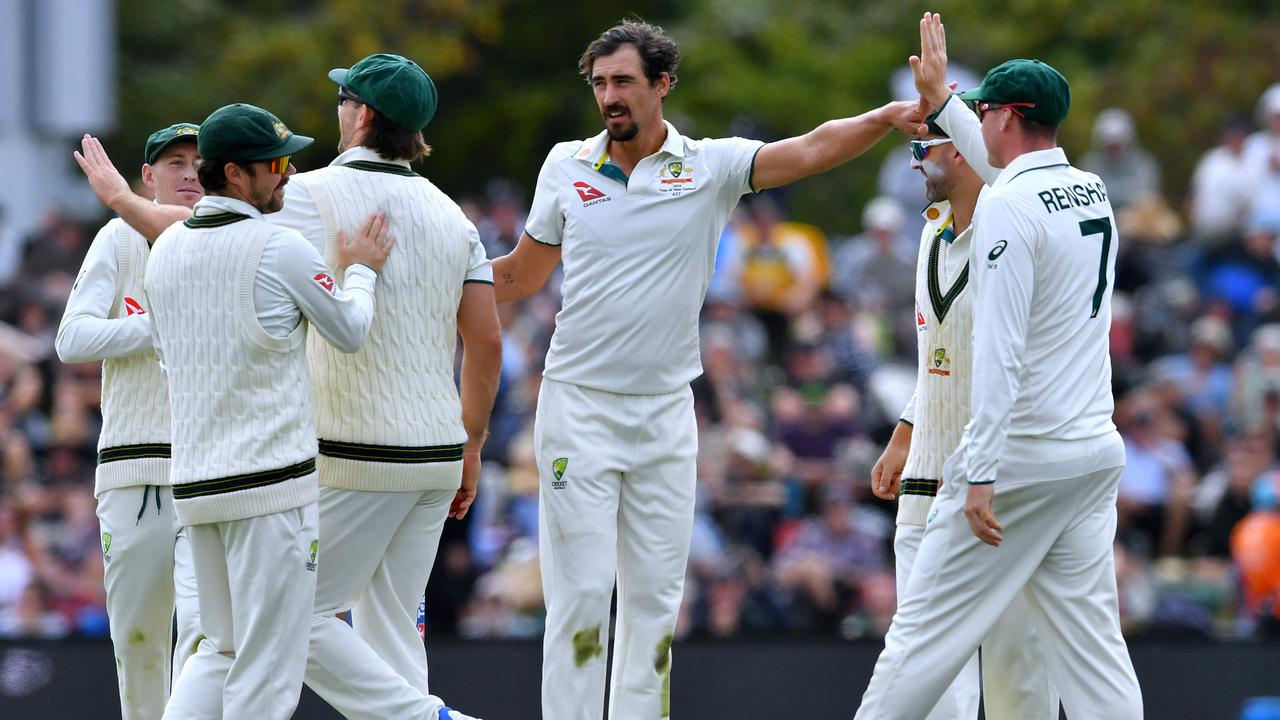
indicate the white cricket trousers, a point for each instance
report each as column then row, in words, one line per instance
column 379, row 549
column 1014, row 678
column 148, row 574
column 257, row 580
column 616, row 492
column 1057, row 545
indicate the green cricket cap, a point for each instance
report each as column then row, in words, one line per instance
column 247, row 133
column 161, row 139
column 1044, row 90
column 394, row 86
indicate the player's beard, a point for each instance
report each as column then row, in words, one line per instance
column 268, row 202
column 624, row 133
column 937, row 185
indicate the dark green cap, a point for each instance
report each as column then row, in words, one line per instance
column 1026, row 81
column 247, row 133
column 161, row 139
column 394, row 86
column 932, row 122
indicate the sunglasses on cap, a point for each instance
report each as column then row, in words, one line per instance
column 278, row 165
column 983, row 108
column 344, row 96
column 920, row 148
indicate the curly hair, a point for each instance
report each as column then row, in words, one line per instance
column 658, row 53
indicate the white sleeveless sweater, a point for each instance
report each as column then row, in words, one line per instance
column 133, row 447
column 944, row 325
column 389, row 416
column 243, row 424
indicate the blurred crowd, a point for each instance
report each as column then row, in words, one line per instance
column 808, row 345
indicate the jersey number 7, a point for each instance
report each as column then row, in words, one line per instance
column 1099, row 226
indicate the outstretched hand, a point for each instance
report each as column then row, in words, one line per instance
column 107, row 182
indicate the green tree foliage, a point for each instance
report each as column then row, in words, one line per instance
column 509, row 88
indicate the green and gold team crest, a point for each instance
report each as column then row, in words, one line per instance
column 315, row 550
column 675, row 168
column 558, row 466
column 106, row 546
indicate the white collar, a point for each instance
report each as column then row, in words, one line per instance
column 213, row 204
column 1035, row 160
column 364, row 154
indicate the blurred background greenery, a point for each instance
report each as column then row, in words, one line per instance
column 509, row 89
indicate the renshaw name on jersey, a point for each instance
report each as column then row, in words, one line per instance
column 1062, row 198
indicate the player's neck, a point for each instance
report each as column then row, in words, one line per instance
column 626, row 155
column 963, row 200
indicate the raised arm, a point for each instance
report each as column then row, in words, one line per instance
column 930, row 71
column 524, row 270
column 113, row 190
column 832, row 143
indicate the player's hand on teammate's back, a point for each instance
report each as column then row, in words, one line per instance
column 470, row 481
column 369, row 247
column 107, row 182
column 982, row 520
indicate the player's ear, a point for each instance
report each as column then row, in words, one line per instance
column 148, row 175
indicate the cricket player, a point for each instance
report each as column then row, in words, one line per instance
column 147, row 560
column 399, row 448
column 398, row 445
column 228, row 292
column 1015, row 683
column 1040, row 451
column 635, row 213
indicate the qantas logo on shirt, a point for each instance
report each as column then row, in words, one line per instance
column 325, row 280
column 133, row 307
column 590, row 196
column 921, row 323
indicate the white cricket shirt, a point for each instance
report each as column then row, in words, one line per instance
column 1042, row 266
column 638, row 254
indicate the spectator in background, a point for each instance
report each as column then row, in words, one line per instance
column 829, row 558
column 1255, row 546
column 10, row 252
column 1224, row 497
column 1128, row 171
column 1222, row 187
column 1157, row 468
column 501, row 225
column 1262, row 155
column 784, row 266
column 1257, row 388
column 877, row 271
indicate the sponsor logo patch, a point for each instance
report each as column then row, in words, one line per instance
column 133, row 307
column 590, row 196
column 325, row 280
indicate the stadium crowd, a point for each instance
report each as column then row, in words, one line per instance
column 808, row 347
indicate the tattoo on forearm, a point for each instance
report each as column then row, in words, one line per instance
column 507, row 279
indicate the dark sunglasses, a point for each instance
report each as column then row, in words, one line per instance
column 344, row 96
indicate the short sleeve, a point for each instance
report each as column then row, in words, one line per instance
column 479, row 268
column 546, row 217
column 735, row 160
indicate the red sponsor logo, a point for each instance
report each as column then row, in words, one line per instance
column 586, row 192
column 326, row 281
column 133, row 307
column 920, row 321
